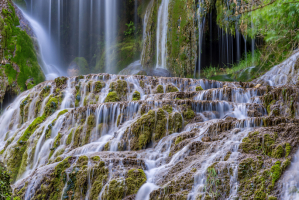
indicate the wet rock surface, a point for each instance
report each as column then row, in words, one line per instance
column 140, row 137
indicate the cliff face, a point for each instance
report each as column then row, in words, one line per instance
column 19, row 68
column 182, row 37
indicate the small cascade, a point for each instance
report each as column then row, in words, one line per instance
column 282, row 74
column 162, row 28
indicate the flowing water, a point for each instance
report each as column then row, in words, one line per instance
column 112, row 130
column 161, row 35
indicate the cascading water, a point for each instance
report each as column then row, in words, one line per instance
column 162, row 28
column 48, row 51
column 102, row 136
column 110, row 33
column 70, row 18
column 83, row 125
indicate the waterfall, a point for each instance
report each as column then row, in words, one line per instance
column 161, row 36
column 47, row 50
column 110, row 33
column 84, row 23
column 201, row 23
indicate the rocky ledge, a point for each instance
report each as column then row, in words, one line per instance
column 105, row 136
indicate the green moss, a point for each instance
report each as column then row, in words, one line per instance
column 136, row 96
column 91, row 123
column 276, row 172
column 24, row 108
column 99, row 178
column 189, row 114
column 159, row 89
column 59, row 179
column 107, row 146
column 199, row 88
column 98, row 86
column 60, row 81
column 272, row 198
column 56, row 144
column 77, row 137
column 168, row 108
column 285, row 164
column 51, row 106
column 135, row 179
column 175, row 123
column 61, row 113
column 181, row 39
column 120, row 88
column 144, row 127
column 112, row 97
column 255, row 144
column 82, row 160
column 288, row 149
column 96, row 158
column 85, row 102
column 278, row 152
column 171, row 88
column 141, row 83
column 5, row 189
column 178, row 140
column 17, row 42
column 115, row 190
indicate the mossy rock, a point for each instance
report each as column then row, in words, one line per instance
column 51, row 106
column 159, row 89
column 60, row 81
column 120, row 87
column 98, row 86
column 171, row 88
column 150, row 127
column 198, row 88
column 168, row 108
column 112, row 97
column 136, row 96
column 189, row 114
column 135, row 179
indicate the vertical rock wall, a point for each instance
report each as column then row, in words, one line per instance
column 182, row 38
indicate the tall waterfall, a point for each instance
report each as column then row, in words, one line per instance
column 48, row 51
column 74, row 29
column 201, row 23
column 162, row 28
column 110, row 32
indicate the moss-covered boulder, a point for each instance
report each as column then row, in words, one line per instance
column 20, row 69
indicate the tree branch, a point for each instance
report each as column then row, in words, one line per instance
column 262, row 6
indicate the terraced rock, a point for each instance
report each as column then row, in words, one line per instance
column 104, row 136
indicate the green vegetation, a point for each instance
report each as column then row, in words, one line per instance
column 242, row 71
column 277, row 23
column 130, row 28
column 19, row 50
column 198, row 88
column 135, row 179
column 159, row 89
column 5, row 189
column 136, row 96
column 112, row 97
column 182, row 39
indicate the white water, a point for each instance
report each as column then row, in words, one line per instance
column 113, row 124
column 47, row 50
column 283, row 73
column 110, row 33
column 161, row 36
column 201, row 23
